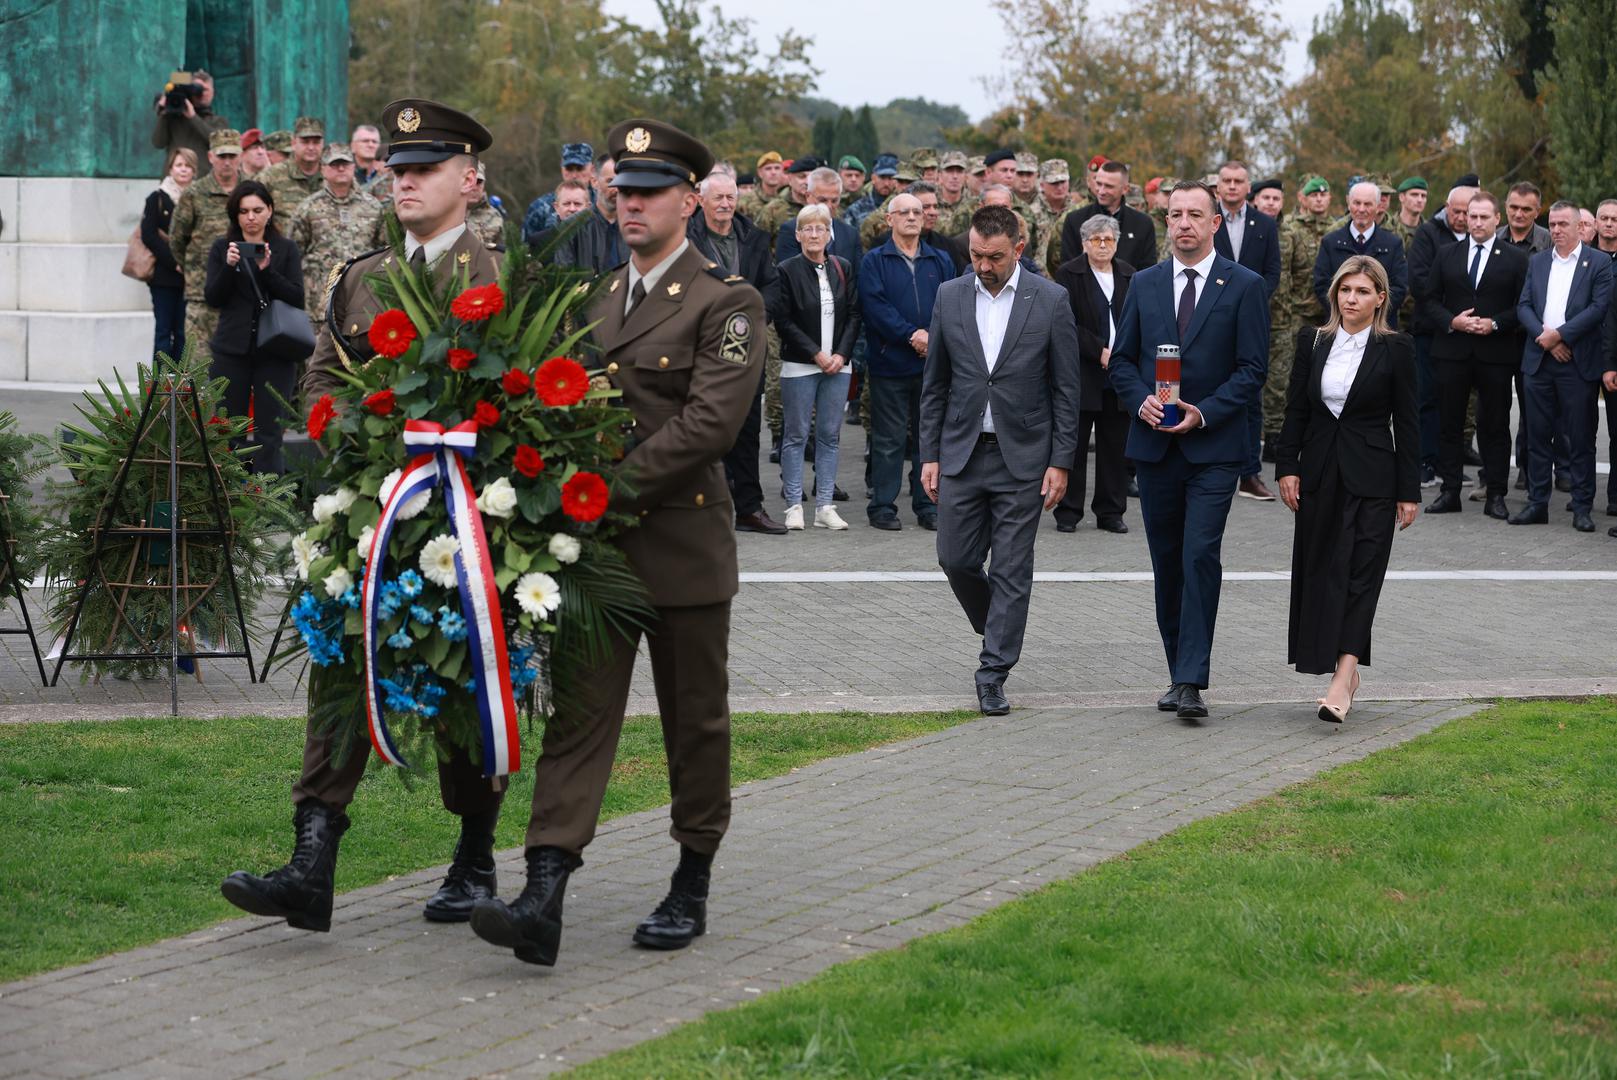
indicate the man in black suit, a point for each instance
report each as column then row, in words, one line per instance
column 1361, row 236
column 1432, row 237
column 1477, row 345
column 1250, row 239
column 1137, row 235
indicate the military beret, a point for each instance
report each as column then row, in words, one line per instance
column 1413, row 183
column 1153, row 185
column 280, row 141
column 975, row 165
column 924, row 157
column 577, row 153
column 1027, row 162
column 746, row 179
column 850, row 162
column 952, row 159
column 308, row 126
column 771, row 158
column 886, row 165
column 1312, row 184
column 421, row 132
column 224, row 141
column 335, row 152
column 1470, row 179
column 997, row 156
column 251, row 137
column 652, row 154
column 1054, row 171
column 1384, row 183
column 806, row 163
column 1096, row 162
column 1265, row 185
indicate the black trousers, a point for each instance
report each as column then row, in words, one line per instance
column 1492, row 382
column 252, row 379
column 1611, row 446
column 741, row 462
column 1338, row 564
column 1110, row 425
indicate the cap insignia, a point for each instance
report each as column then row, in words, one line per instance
column 409, row 120
column 673, row 289
column 637, row 140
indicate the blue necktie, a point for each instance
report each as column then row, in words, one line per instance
column 1476, row 264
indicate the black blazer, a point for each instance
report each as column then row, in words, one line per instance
column 155, row 222
column 1089, row 311
column 1374, row 462
column 1136, row 236
column 1260, row 246
column 1495, row 297
column 1431, row 238
column 795, row 309
column 228, row 289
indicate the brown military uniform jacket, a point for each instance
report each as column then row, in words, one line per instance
column 687, row 361
column 350, row 307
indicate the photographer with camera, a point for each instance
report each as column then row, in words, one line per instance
column 185, row 115
column 250, row 261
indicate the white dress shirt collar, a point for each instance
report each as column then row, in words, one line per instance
column 436, row 246
column 654, row 275
column 1341, row 368
column 1010, row 284
column 1203, row 269
column 1572, row 256
column 1366, row 234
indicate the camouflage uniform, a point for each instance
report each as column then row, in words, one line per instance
column 775, row 213
column 330, row 231
column 200, row 219
column 875, row 224
column 487, row 223
column 754, row 202
column 381, row 187
column 1292, row 307
column 1406, row 235
column 289, row 188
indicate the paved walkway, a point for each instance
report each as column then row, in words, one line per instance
column 831, row 862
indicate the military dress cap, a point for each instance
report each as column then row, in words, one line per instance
column 577, row 153
column 225, row 141
column 652, row 154
column 771, row 158
column 1054, row 171
column 1265, row 185
column 850, row 162
column 335, row 152
column 307, row 126
column 907, row 172
column 1027, row 162
column 251, row 138
column 886, row 165
column 1311, row 184
column 995, row 157
column 952, row 159
column 975, row 165
column 422, row 132
column 279, row 141
column 924, row 157
column 1413, row 183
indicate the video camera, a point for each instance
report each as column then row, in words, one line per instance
column 179, row 89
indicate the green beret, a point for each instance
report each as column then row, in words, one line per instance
column 1315, row 183
column 1414, row 183
column 850, row 162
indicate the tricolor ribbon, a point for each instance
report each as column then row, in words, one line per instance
column 441, row 463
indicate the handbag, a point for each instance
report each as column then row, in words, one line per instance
column 139, row 262
column 283, row 331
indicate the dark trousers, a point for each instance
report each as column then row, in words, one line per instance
column 895, row 423
column 1254, row 437
column 1426, row 388
column 168, row 309
column 1562, row 450
column 984, row 509
column 1456, row 379
column 251, row 379
column 1611, row 448
column 1561, row 404
column 1184, row 506
column 461, row 783
column 741, row 462
column 1111, row 429
column 1338, row 564
column 689, row 649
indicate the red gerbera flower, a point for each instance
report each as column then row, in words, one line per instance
column 391, row 333
column 485, row 415
column 461, row 359
column 528, row 462
column 583, row 498
column 477, row 304
column 381, row 402
column 560, row 381
column 321, row 414
column 516, row 382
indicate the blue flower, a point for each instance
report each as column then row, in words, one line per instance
column 319, row 623
column 452, row 624
column 391, row 599
column 401, row 639
column 421, row 615
column 413, row 690
column 410, row 583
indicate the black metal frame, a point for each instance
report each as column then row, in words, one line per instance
column 177, row 385
column 27, row 626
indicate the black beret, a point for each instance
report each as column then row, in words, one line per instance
column 1468, row 180
column 998, row 156
column 806, row 163
column 1265, row 185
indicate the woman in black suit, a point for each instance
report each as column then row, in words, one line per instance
column 167, row 283
column 1096, row 285
column 1347, row 476
column 279, row 276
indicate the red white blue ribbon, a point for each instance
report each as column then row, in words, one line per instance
column 441, row 463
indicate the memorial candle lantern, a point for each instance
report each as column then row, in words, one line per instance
column 1168, row 384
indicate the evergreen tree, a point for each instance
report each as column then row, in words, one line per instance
column 1582, row 112
column 844, row 140
column 825, row 130
column 865, row 143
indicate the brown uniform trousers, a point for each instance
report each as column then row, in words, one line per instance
column 350, row 307
column 686, row 360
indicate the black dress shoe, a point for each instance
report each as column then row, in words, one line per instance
column 1066, row 526
column 1611, row 509
column 1583, row 522
column 1521, row 479
column 682, row 916
column 1495, row 507
column 760, row 522
column 471, row 873
column 991, row 699
column 1112, row 525
column 929, row 522
column 887, row 523
column 1531, row 514
column 1169, row 702
column 299, row 892
column 837, row 494
column 1446, row 503
column 1134, row 488
column 531, row 925
column 1563, row 482
column 774, row 456
column 1191, row 705
column 1472, row 457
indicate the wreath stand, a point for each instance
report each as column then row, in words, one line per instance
column 159, row 559
column 10, row 579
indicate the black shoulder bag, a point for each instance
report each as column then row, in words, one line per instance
column 283, row 330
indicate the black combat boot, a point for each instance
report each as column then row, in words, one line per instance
column 471, row 874
column 531, row 925
column 682, row 916
column 299, row 892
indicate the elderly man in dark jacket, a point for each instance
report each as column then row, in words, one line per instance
column 1361, row 236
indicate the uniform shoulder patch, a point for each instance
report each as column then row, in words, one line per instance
column 737, row 337
column 721, row 274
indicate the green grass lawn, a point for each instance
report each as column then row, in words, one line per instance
column 118, row 834
column 1444, row 908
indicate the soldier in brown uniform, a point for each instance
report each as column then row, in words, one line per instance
column 683, row 340
column 432, row 153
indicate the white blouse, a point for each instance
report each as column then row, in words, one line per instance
column 1341, row 367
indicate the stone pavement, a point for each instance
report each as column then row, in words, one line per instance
column 831, row 862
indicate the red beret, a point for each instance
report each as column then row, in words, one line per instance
column 1096, row 162
column 1153, row 184
column 251, row 137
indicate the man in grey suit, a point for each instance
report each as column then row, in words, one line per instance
column 999, row 423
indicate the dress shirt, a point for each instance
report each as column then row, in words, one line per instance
column 1107, row 282
column 1203, row 268
column 435, row 247
column 1235, row 223
column 1341, row 368
column 1560, row 287
column 1363, row 237
column 993, row 316
column 1471, row 253
column 652, row 276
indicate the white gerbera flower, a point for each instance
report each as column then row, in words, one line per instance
column 499, row 499
column 338, row 582
column 438, row 560
column 325, row 507
column 365, row 539
column 566, row 549
column 538, row 594
column 409, row 509
column 304, row 552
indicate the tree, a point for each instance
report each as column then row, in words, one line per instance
column 843, row 141
column 825, row 137
column 865, row 142
column 1582, row 113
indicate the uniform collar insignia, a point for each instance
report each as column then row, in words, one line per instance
column 463, row 258
column 673, row 289
column 615, row 283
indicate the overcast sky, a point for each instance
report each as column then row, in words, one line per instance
column 853, row 53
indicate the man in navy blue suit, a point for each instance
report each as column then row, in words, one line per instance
column 1217, row 313
column 1563, row 309
column 1250, row 239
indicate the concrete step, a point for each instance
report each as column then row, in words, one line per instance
column 71, row 210
column 68, row 277
column 73, row 347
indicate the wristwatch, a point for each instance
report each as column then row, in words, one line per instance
column 1494, row 324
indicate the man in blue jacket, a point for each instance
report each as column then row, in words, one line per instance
column 898, row 283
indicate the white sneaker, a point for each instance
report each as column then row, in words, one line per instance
column 826, row 517
column 794, row 517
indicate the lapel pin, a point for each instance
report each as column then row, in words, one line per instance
column 615, row 283
column 673, row 290
column 1218, row 281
